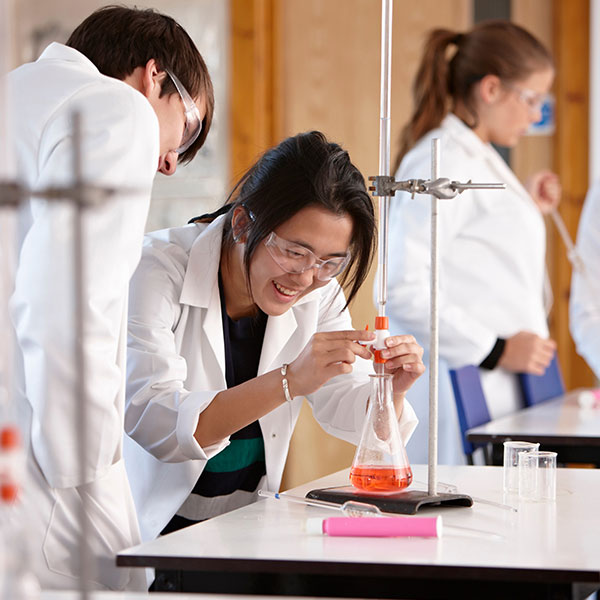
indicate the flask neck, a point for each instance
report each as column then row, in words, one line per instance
column 381, row 389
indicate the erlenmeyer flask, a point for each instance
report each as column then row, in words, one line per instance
column 380, row 463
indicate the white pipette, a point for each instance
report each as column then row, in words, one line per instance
column 352, row 508
column 572, row 254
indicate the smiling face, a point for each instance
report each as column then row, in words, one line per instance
column 274, row 290
column 507, row 109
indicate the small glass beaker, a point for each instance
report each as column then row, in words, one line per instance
column 380, row 463
column 511, row 463
column 537, row 476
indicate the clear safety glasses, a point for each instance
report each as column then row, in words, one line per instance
column 532, row 99
column 193, row 122
column 296, row 259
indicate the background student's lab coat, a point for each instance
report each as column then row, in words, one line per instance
column 492, row 273
column 584, row 304
column 120, row 148
column 176, row 365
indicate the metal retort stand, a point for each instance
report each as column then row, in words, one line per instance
column 439, row 188
column 384, row 186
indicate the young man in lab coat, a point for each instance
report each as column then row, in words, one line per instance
column 146, row 102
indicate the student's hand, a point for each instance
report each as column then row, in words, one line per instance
column 526, row 352
column 404, row 359
column 326, row 355
column 545, row 189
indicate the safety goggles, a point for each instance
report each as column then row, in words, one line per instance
column 533, row 100
column 296, row 259
column 193, row 122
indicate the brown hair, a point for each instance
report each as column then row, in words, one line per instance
column 491, row 48
column 119, row 39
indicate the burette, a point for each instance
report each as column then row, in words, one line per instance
column 384, row 187
column 381, row 325
column 384, row 151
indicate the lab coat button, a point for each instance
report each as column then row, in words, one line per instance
column 274, row 435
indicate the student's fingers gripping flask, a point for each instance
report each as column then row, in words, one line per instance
column 380, row 463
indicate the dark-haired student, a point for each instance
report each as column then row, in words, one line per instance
column 234, row 319
column 146, row 103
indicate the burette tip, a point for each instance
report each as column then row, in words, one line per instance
column 379, row 368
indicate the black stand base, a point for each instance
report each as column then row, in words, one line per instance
column 405, row 502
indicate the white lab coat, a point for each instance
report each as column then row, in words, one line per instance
column 176, row 365
column 492, row 273
column 120, row 148
column 584, row 305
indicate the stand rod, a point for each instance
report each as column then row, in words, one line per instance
column 80, row 396
column 434, row 335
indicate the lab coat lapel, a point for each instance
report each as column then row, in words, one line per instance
column 277, row 334
column 505, row 175
column 287, row 334
column 201, row 289
column 212, row 330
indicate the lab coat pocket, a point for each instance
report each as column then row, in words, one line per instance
column 112, row 527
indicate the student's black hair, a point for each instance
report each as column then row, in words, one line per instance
column 304, row 171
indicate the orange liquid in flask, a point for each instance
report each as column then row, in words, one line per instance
column 380, row 479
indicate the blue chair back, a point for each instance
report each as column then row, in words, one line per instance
column 470, row 402
column 539, row 388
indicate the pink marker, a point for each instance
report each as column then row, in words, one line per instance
column 376, row 526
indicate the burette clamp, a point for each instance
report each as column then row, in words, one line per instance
column 12, row 193
column 441, row 188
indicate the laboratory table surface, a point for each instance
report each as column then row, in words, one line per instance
column 543, row 550
column 113, row 595
column 559, row 424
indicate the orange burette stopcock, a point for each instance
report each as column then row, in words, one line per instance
column 381, row 333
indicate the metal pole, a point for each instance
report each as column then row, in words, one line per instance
column 6, row 222
column 9, row 198
column 80, row 397
column 6, row 156
column 384, row 149
column 433, row 337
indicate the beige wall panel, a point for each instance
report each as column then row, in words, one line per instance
column 571, row 35
column 533, row 152
column 329, row 79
